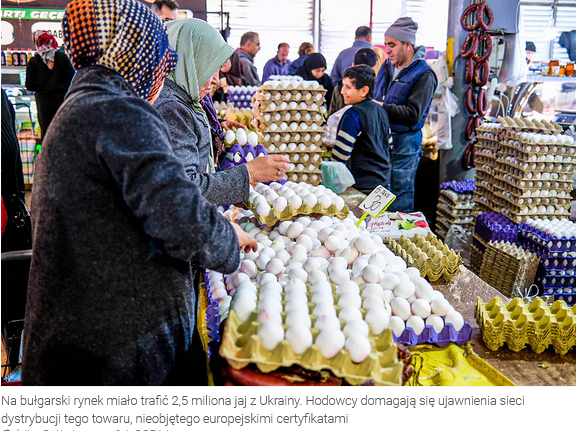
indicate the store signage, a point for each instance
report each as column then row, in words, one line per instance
column 54, row 28
column 7, row 33
column 36, row 14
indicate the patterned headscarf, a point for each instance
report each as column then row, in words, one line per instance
column 47, row 46
column 123, row 35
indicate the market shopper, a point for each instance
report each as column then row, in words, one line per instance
column 405, row 88
column 201, row 52
column 167, row 10
column 364, row 56
column 306, row 48
column 363, row 39
column 278, row 65
column 49, row 74
column 314, row 69
column 118, row 225
column 363, row 137
column 243, row 71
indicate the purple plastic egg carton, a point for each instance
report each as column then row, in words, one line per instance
column 561, row 282
column 495, row 227
column 212, row 318
column 430, row 336
column 242, row 152
column 463, row 186
column 547, row 240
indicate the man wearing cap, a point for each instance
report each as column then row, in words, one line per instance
column 405, row 87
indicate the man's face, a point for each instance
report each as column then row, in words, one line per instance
column 351, row 94
column 397, row 52
column 252, row 48
column 529, row 55
column 166, row 14
column 283, row 54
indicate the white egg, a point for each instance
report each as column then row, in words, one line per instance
column 248, row 267
column 348, row 287
column 421, row 308
column 219, row 294
column 299, row 317
column 358, row 347
column 253, row 138
column 339, row 276
column 348, row 253
column 321, row 286
column 243, row 306
column 441, row 306
column 270, row 304
column 324, row 309
column 372, row 274
column 404, row 289
column 416, row 323
column 324, row 234
column 280, row 204
column 283, row 228
column 321, row 251
column 275, row 266
column 266, row 316
column 265, row 277
column 389, row 281
column 348, row 313
column 299, row 337
column 295, row 230
column 298, row 273
column 356, row 327
column 372, row 290
column 272, row 286
column 305, row 241
column 330, row 341
column 456, row 319
column 413, row 274
column 262, row 261
column 397, row 325
column 378, row 319
column 332, row 243
column 323, row 298
column 295, row 201
column 310, row 232
column 358, row 266
column 365, row 246
column 436, row 322
column 350, row 299
column 372, row 301
column 299, row 253
column 284, row 256
column 401, row 308
column 424, row 290
column 271, row 334
column 310, row 200
column 377, row 260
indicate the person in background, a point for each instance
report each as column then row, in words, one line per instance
column 364, row 56
column 118, row 226
column 345, row 58
column 219, row 90
column 278, row 65
column 49, row 74
column 243, row 70
column 201, row 53
column 314, row 69
column 405, row 87
column 381, row 54
column 306, row 48
column 167, row 10
column 530, row 51
column 363, row 138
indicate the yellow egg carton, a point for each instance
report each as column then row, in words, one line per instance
column 525, row 124
column 519, row 324
column 429, row 254
column 290, row 212
column 242, row 346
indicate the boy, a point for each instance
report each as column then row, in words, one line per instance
column 363, row 139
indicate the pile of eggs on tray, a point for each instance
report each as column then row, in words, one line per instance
column 241, row 137
column 335, row 274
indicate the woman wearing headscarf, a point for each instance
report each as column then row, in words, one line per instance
column 314, row 69
column 49, row 73
column 201, row 53
column 118, row 226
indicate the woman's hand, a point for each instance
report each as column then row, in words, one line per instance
column 267, row 168
column 245, row 240
column 227, row 125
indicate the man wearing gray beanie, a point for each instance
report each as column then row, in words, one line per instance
column 405, row 88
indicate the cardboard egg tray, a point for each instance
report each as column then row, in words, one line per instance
column 306, row 158
column 310, row 148
column 290, row 212
column 290, row 116
column 432, row 258
column 508, row 267
column 464, row 203
column 308, row 167
column 519, row 324
column 476, row 257
column 455, row 213
column 264, row 106
column 313, row 178
column 242, row 346
column 296, row 137
column 527, row 125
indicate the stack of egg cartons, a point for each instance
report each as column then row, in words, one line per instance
column 489, row 227
column 455, row 206
column 554, row 241
column 524, row 170
column 241, row 96
column 290, row 115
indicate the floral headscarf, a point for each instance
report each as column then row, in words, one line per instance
column 123, row 35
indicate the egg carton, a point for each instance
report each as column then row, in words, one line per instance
column 556, row 154
column 301, row 130
column 529, row 179
column 429, row 336
column 288, row 83
column 527, row 125
column 551, row 241
column 238, row 155
column 278, row 138
column 264, row 106
column 539, row 167
column 432, row 258
column 291, row 95
column 550, row 281
column 242, row 346
column 460, row 187
column 288, row 116
column 311, row 150
column 476, row 258
column 495, row 227
column 313, row 178
column 521, row 202
column 465, row 202
column 519, row 324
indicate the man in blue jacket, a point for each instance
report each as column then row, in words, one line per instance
column 405, row 88
column 345, row 58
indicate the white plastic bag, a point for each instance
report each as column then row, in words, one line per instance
column 329, row 137
column 336, row 176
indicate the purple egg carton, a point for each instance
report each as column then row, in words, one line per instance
column 429, row 336
column 560, row 282
column 463, row 186
column 569, row 299
column 212, row 318
column 228, row 160
column 495, row 227
column 547, row 240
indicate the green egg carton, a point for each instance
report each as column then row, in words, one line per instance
column 519, row 324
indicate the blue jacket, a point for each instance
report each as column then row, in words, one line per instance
column 296, row 64
column 274, row 67
column 407, row 97
column 345, row 60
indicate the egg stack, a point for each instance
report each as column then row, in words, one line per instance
column 429, row 255
column 241, row 96
column 522, row 172
column 455, row 206
column 322, row 293
column 490, row 227
column 290, row 115
column 508, row 267
column 281, row 202
column 241, row 147
column 554, row 241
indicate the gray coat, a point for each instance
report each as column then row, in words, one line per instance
column 117, row 229
column 247, row 69
column 190, row 138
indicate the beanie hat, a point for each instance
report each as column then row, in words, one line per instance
column 530, row 46
column 404, row 30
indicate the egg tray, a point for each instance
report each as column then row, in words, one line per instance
column 529, row 180
column 242, row 346
column 289, row 96
column 432, row 258
column 237, row 155
column 518, row 324
column 524, row 124
column 540, row 167
column 548, row 257
column 314, row 178
column 549, row 281
column 497, row 204
column 290, row 116
column 308, row 148
column 452, row 211
column 552, row 243
column 320, row 130
column 521, row 202
column 313, row 158
column 264, row 106
column 448, row 221
column 297, row 138
column 532, row 149
column 463, row 186
column 310, row 167
column 476, row 258
column 464, row 203
column 495, row 227
column 290, row 212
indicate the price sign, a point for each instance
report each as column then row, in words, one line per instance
column 377, row 201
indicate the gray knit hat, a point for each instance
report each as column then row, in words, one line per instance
column 404, row 30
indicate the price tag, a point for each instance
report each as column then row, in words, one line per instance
column 377, row 201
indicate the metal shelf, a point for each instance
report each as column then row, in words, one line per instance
column 11, row 70
column 536, row 77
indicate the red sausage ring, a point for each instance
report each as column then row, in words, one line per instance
column 468, row 157
column 482, row 103
column 464, row 17
column 471, row 101
column 482, row 11
column 484, row 38
column 470, row 129
column 481, row 73
column 469, row 76
column 469, row 46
